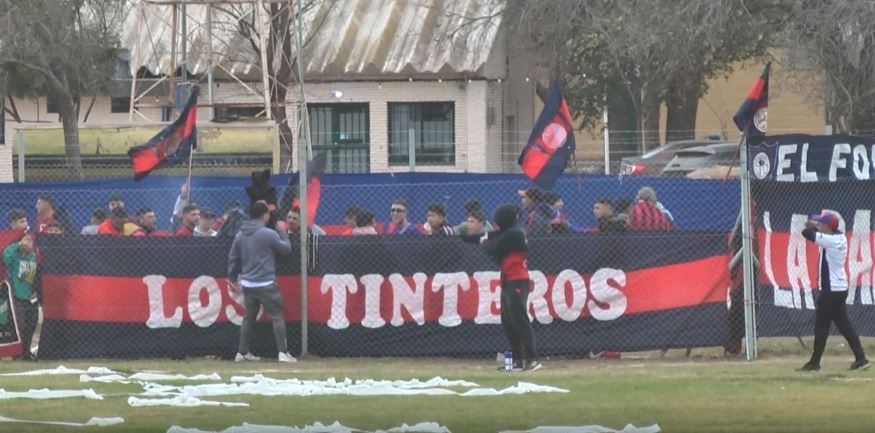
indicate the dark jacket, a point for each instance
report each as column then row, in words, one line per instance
column 252, row 253
column 507, row 246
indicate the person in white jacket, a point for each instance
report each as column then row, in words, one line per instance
column 823, row 230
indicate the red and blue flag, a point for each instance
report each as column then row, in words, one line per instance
column 315, row 170
column 174, row 143
column 551, row 143
column 752, row 116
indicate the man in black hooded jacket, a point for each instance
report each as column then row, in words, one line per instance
column 508, row 247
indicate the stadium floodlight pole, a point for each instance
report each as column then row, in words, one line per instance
column 750, row 338
column 303, row 158
column 606, row 134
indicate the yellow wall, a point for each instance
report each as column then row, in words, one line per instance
column 789, row 110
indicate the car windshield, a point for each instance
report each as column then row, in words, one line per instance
column 654, row 152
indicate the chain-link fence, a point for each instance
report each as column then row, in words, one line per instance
column 616, row 264
column 793, row 178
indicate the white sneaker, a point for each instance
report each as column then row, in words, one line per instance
column 247, row 357
column 285, row 357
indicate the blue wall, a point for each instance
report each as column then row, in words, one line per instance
column 695, row 204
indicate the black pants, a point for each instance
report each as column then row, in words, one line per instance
column 27, row 314
column 515, row 319
column 831, row 309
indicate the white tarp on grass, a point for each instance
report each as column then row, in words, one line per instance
column 94, row 421
column 62, row 370
column 180, row 401
column 423, row 427
column 589, row 429
column 43, row 394
column 265, row 386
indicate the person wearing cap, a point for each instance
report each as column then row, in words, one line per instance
column 536, row 215
column 471, row 207
column 648, row 214
column 204, row 226
column 823, row 230
column 115, row 201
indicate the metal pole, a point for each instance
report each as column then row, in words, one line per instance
column 136, row 61
column 171, row 75
column 411, row 149
column 210, row 60
column 20, row 138
column 184, row 42
column 607, row 136
column 303, row 157
column 263, row 30
column 750, row 339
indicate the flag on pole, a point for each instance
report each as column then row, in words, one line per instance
column 551, row 143
column 315, row 170
column 751, row 117
column 174, row 143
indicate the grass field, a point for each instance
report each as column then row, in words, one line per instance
column 703, row 393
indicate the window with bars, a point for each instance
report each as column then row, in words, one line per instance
column 433, row 133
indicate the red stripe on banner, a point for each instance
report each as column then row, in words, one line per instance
column 783, row 258
column 341, row 299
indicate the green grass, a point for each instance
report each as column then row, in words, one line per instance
column 703, row 393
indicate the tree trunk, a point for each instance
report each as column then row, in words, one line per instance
column 70, row 121
column 683, row 104
column 648, row 122
column 281, row 67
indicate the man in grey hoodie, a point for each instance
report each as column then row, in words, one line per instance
column 251, row 268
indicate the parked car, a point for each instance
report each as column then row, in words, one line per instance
column 652, row 162
column 694, row 158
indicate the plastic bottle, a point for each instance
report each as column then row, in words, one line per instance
column 508, row 361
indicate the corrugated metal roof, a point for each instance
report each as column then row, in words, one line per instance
column 347, row 39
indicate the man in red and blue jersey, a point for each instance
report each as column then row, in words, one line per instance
column 508, row 247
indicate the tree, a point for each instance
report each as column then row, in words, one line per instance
column 63, row 49
column 282, row 55
column 830, row 46
column 641, row 53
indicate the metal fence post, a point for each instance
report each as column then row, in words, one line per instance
column 411, row 149
column 19, row 137
column 750, row 338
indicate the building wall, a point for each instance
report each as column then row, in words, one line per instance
column 470, row 100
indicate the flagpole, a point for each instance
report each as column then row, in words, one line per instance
column 303, row 157
column 750, row 338
column 188, row 179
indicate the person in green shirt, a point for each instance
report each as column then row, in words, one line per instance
column 20, row 262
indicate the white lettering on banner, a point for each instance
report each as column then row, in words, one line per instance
column 861, row 272
column 569, row 296
column 604, row 293
column 860, row 163
column 204, row 315
column 487, row 296
column 784, row 151
column 797, row 264
column 860, row 258
column 157, row 319
column 411, row 298
column 538, row 298
column 857, row 160
column 237, row 302
column 450, row 284
column 781, row 298
column 373, row 284
column 566, row 311
column 339, row 285
column 838, row 160
column 804, row 174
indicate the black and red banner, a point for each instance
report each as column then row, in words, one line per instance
column 386, row 296
column 171, row 145
column 795, row 176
